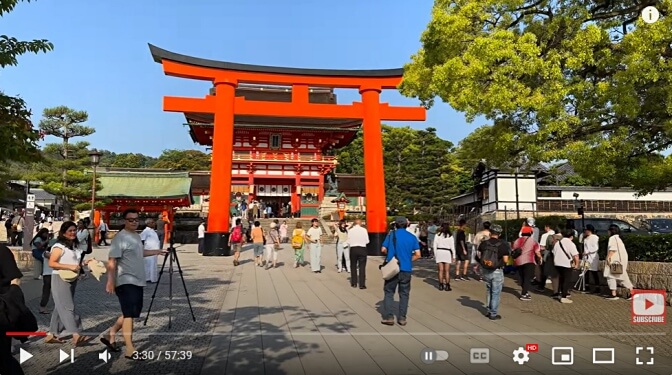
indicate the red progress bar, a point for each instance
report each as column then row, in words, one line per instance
column 26, row 334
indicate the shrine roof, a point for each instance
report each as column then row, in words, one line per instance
column 159, row 54
column 143, row 184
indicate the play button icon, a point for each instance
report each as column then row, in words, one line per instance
column 24, row 356
column 648, row 306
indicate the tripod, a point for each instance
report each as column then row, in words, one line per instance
column 171, row 257
column 580, row 284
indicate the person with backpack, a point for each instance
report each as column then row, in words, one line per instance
column 236, row 241
column 492, row 255
column 298, row 240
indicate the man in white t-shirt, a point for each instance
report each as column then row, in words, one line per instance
column 566, row 258
column 102, row 232
column 315, row 246
column 150, row 240
column 201, row 236
column 591, row 246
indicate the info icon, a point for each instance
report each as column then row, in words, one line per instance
column 648, row 307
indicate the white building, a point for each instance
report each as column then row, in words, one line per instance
column 497, row 191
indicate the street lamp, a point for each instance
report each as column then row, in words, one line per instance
column 95, row 160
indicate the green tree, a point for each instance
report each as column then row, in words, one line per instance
column 420, row 168
column 19, row 139
column 130, row 160
column 582, row 81
column 351, row 157
column 63, row 172
column 183, row 160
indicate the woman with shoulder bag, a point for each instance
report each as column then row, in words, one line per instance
column 66, row 261
column 616, row 267
column 566, row 259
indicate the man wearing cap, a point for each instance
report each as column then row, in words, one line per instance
column 404, row 246
column 493, row 255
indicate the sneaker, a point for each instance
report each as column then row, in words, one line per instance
column 495, row 317
column 526, row 297
column 612, row 298
column 465, row 278
column 458, row 278
column 340, row 270
column 566, row 300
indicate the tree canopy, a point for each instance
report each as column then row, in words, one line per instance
column 19, row 139
column 63, row 172
column 420, row 168
column 183, row 160
column 582, row 81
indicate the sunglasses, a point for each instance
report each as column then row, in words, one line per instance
column 132, row 220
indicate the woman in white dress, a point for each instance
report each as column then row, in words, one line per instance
column 616, row 253
column 444, row 247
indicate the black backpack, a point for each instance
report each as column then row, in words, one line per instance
column 489, row 258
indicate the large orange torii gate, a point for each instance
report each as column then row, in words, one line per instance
column 224, row 105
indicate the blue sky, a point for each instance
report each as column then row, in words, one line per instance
column 101, row 62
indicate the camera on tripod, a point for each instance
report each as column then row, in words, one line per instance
column 170, row 258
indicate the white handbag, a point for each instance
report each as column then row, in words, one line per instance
column 390, row 269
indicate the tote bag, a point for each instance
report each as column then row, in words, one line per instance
column 391, row 269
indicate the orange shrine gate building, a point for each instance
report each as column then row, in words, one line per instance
column 272, row 131
column 281, row 161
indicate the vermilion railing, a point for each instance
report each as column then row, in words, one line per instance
column 281, row 156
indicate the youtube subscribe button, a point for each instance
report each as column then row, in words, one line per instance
column 648, row 307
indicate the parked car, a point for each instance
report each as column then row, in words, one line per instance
column 602, row 224
column 658, row 225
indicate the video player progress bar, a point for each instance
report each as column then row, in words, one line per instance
column 312, row 333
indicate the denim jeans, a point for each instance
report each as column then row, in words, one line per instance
column 494, row 280
column 403, row 280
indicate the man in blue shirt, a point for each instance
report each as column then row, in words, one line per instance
column 403, row 245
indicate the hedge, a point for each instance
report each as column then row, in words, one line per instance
column 643, row 248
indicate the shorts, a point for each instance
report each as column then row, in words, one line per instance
column 130, row 298
column 237, row 247
column 461, row 257
column 258, row 249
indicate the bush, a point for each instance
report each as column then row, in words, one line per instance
column 643, row 248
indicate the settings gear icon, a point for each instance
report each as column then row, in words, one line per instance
column 521, row 356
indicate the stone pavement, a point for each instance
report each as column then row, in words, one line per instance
column 292, row 321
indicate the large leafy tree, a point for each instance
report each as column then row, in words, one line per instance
column 420, row 168
column 19, row 139
column 63, row 171
column 183, row 160
column 579, row 80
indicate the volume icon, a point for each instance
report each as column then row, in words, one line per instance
column 105, row 356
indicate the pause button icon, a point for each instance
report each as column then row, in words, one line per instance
column 428, row 356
